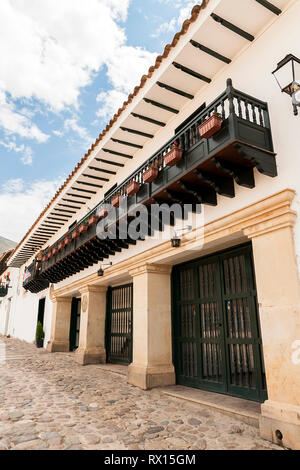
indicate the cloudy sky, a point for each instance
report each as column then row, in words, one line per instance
column 66, row 67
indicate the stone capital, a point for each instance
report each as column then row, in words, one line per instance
column 92, row 289
column 285, row 220
column 151, row 268
column 61, row 299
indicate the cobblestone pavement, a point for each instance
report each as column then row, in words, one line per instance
column 47, row 401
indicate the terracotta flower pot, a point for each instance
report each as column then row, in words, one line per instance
column 210, row 127
column 150, row 175
column 75, row 234
column 54, row 251
column 67, row 241
column 103, row 213
column 133, row 188
column 83, row 228
column 93, row 220
column 173, row 156
column 61, row 245
column 116, row 201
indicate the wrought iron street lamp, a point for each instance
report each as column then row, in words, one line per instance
column 287, row 75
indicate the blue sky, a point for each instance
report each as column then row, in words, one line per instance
column 68, row 66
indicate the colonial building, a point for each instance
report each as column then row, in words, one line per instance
column 215, row 303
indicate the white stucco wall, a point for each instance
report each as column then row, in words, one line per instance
column 19, row 310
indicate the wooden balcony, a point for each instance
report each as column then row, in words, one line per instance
column 209, row 166
column 35, row 283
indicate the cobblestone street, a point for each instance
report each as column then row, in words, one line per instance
column 47, row 401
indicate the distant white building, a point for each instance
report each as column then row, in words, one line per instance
column 219, row 307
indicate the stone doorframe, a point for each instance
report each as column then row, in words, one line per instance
column 270, row 225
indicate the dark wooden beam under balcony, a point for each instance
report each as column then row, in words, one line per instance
column 222, row 185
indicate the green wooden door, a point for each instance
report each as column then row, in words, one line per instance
column 217, row 341
column 119, row 324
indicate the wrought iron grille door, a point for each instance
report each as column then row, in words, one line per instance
column 217, row 340
column 119, row 324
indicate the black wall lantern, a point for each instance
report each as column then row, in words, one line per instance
column 176, row 240
column 101, row 271
column 287, row 75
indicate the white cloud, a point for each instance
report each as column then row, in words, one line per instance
column 110, row 101
column 184, row 7
column 50, row 49
column 20, row 205
column 27, row 157
column 27, row 152
column 14, row 122
column 72, row 127
column 124, row 70
column 82, row 132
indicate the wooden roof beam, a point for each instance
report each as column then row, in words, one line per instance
column 210, row 52
column 191, row 72
column 175, row 90
column 161, row 106
column 235, row 29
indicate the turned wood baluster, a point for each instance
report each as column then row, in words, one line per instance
column 240, row 112
column 261, row 121
column 230, row 97
column 247, row 110
column 254, row 113
column 223, row 109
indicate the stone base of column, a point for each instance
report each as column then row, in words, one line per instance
column 280, row 423
column 90, row 356
column 58, row 346
column 147, row 377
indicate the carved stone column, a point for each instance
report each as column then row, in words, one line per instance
column 279, row 308
column 92, row 326
column 60, row 327
column 152, row 338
